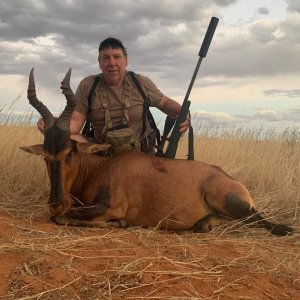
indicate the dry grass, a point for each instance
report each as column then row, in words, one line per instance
column 23, row 178
column 40, row 260
column 72, row 263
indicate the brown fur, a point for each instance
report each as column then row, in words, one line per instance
column 172, row 194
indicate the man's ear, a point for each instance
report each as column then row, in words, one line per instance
column 91, row 147
column 34, row 149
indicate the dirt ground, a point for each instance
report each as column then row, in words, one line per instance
column 40, row 260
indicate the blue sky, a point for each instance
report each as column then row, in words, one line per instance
column 250, row 76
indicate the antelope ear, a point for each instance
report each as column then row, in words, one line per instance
column 91, row 147
column 34, row 149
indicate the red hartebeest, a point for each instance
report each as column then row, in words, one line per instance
column 133, row 186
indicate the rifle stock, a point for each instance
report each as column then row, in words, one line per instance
column 169, row 123
column 175, row 135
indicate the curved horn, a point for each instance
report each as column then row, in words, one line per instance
column 38, row 105
column 64, row 119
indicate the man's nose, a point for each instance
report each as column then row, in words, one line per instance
column 112, row 61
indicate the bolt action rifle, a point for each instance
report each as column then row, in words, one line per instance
column 175, row 135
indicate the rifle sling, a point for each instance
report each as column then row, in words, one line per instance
column 190, row 155
column 92, row 91
column 146, row 111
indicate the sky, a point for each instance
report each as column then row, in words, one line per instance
column 250, row 76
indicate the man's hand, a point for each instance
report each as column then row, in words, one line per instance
column 76, row 123
column 185, row 125
column 172, row 108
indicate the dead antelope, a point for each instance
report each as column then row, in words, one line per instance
column 133, row 186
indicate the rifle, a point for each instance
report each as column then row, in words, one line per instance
column 175, row 135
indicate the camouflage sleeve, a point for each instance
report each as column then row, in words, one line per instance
column 151, row 90
column 82, row 93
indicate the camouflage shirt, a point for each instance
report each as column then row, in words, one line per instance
column 116, row 103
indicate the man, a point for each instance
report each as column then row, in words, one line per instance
column 117, row 107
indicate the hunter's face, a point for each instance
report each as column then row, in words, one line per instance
column 113, row 63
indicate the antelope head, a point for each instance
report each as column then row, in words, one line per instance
column 58, row 150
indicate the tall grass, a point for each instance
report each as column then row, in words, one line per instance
column 23, row 177
column 266, row 162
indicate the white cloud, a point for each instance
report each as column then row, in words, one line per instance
column 283, row 93
column 250, row 59
column 264, row 31
column 271, row 115
column 215, row 117
column 293, row 6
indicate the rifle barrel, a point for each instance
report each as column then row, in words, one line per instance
column 187, row 95
column 175, row 135
column 208, row 36
column 203, row 51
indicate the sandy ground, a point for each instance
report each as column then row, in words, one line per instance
column 40, row 260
